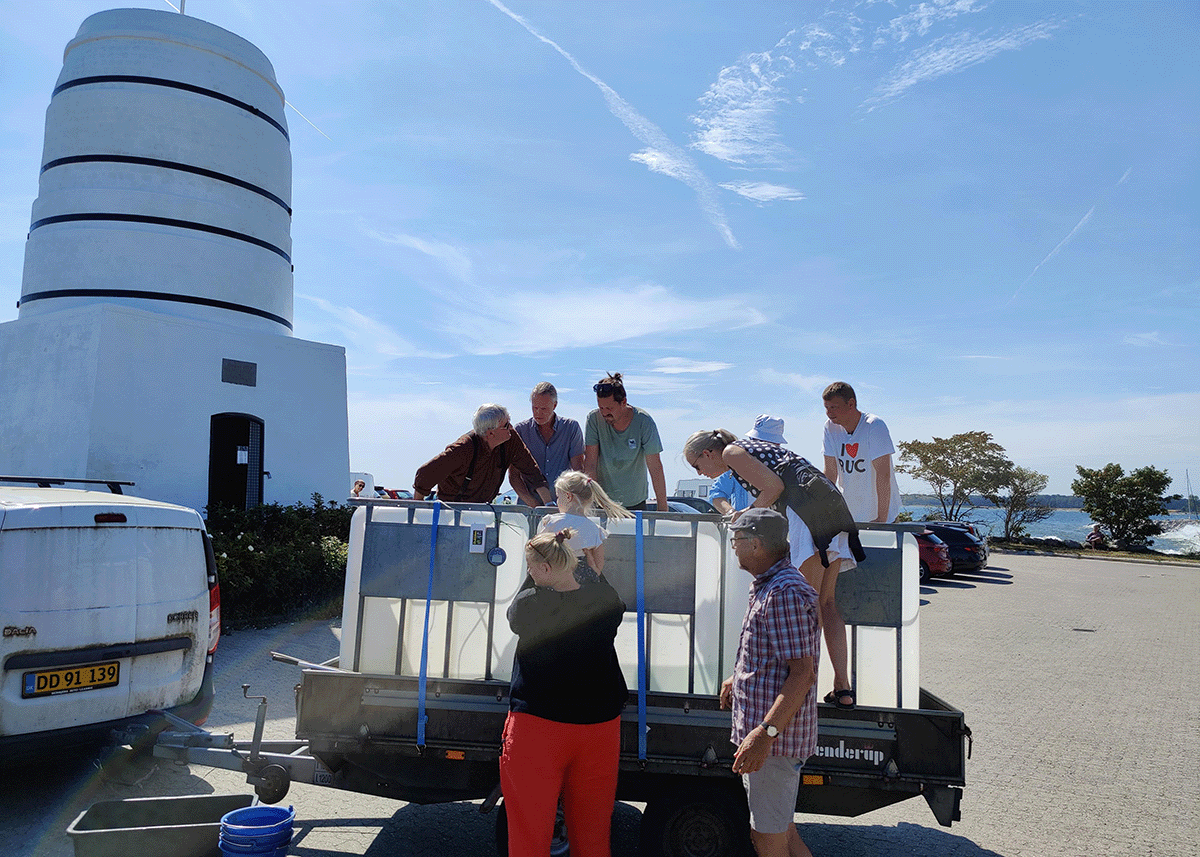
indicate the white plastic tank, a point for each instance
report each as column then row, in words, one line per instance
column 166, row 176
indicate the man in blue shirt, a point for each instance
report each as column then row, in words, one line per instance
column 556, row 443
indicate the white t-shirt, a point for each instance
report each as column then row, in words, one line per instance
column 588, row 534
column 855, row 475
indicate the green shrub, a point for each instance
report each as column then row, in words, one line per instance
column 280, row 562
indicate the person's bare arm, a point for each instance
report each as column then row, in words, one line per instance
column 591, row 457
column 577, row 462
column 518, row 485
column 883, row 486
column 595, row 557
column 831, row 469
column 658, row 480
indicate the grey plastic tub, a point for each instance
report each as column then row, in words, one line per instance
column 186, row 826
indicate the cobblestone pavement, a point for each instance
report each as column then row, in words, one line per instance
column 1079, row 678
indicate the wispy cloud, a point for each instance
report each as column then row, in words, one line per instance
column 453, row 260
column 951, row 54
column 666, row 157
column 642, row 309
column 807, row 383
column 918, row 20
column 1149, row 339
column 763, row 191
column 736, row 120
column 684, row 365
column 366, row 339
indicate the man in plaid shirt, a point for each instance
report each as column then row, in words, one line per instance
column 773, row 687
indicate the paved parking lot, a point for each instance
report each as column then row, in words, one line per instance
column 1080, row 680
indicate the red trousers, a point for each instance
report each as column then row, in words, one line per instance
column 543, row 759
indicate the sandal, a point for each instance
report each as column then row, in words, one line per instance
column 843, row 699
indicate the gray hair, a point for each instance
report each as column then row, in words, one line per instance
column 545, row 388
column 489, row 416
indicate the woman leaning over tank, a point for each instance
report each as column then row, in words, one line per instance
column 778, row 478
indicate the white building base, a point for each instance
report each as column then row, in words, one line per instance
column 112, row 392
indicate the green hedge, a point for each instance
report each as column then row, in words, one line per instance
column 280, row 562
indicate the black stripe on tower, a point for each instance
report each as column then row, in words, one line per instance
column 167, row 165
column 153, row 296
column 158, row 221
column 173, row 84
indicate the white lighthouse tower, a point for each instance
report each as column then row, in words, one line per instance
column 154, row 339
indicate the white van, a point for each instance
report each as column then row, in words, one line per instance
column 110, row 610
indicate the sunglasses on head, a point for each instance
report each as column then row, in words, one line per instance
column 604, row 389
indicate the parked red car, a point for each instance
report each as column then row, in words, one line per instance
column 935, row 556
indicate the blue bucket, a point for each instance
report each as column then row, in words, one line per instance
column 256, row 830
column 257, row 840
column 270, row 852
column 228, row 851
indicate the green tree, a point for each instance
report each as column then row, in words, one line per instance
column 1122, row 504
column 956, row 468
column 1018, row 498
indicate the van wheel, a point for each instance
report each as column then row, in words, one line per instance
column 274, row 784
column 558, row 844
column 697, row 823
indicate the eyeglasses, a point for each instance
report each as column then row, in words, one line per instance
column 604, row 389
column 695, row 463
column 740, row 538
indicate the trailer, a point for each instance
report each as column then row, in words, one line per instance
column 414, row 705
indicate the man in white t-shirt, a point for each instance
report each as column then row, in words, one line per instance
column 858, row 457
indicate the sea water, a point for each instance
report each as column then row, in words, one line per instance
column 1182, row 536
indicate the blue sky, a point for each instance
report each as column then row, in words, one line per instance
column 984, row 216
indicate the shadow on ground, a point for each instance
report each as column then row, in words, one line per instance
column 442, row 829
column 910, row 840
column 41, row 798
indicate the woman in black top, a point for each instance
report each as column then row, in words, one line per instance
column 562, row 735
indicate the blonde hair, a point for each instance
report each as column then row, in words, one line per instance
column 590, row 494
column 700, row 441
column 552, row 548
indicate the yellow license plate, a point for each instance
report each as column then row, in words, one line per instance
column 51, row 682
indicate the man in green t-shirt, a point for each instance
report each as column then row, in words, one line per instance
column 621, row 444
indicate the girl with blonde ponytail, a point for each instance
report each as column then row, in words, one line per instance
column 579, row 495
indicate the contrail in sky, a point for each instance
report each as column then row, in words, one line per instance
column 666, row 157
column 1064, row 242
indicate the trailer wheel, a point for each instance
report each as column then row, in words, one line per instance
column 273, row 785
column 692, row 822
column 558, row 845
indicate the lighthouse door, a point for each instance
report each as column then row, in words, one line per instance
column 235, row 471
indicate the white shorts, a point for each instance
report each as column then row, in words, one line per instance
column 771, row 794
column 839, row 548
column 800, row 540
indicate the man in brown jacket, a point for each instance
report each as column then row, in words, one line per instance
column 472, row 469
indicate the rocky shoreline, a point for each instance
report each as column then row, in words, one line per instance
column 1053, row 545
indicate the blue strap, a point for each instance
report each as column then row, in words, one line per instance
column 424, row 675
column 641, row 628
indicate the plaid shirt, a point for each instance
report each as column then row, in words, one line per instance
column 780, row 624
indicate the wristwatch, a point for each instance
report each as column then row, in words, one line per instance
column 770, row 730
